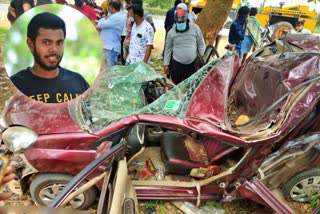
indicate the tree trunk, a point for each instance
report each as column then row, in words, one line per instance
column 212, row 18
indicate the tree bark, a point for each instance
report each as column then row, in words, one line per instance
column 212, row 18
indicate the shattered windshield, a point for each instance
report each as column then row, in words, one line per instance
column 116, row 95
column 176, row 101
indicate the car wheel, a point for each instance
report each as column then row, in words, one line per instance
column 279, row 27
column 300, row 187
column 45, row 187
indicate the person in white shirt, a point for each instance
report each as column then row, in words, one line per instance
column 141, row 37
column 300, row 28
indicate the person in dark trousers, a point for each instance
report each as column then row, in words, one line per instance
column 252, row 37
column 46, row 81
column 182, row 44
column 169, row 20
column 238, row 28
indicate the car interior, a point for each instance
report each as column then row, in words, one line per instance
column 184, row 155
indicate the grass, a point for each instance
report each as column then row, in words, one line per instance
column 315, row 200
column 152, row 206
column 3, row 33
column 317, row 30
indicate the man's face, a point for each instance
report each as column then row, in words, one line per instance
column 47, row 49
column 127, row 4
column 131, row 13
column 299, row 27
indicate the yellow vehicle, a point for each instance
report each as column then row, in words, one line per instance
column 197, row 5
column 284, row 18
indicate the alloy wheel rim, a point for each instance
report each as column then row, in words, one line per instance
column 48, row 193
column 303, row 190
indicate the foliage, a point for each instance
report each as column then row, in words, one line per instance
column 3, row 33
column 159, row 3
column 317, row 30
column 315, row 200
column 213, row 204
column 151, row 204
column 157, row 11
column 245, row 3
column 161, row 205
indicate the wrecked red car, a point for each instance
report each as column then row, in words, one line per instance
column 224, row 133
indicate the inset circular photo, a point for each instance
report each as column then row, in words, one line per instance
column 53, row 53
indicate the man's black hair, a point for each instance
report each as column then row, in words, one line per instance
column 45, row 20
column 253, row 11
column 116, row 5
column 301, row 22
column 176, row 2
column 244, row 11
column 138, row 10
column 139, row 2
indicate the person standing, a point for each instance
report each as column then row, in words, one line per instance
column 124, row 13
column 141, row 37
column 129, row 23
column 238, row 28
column 169, row 20
column 252, row 36
column 146, row 14
column 17, row 8
column 182, row 44
column 111, row 30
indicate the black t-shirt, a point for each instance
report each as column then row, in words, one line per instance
column 65, row 87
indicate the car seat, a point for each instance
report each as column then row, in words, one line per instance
column 181, row 153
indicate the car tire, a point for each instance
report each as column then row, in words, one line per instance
column 44, row 187
column 278, row 27
column 301, row 186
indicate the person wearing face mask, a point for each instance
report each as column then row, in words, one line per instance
column 111, row 30
column 141, row 37
column 183, row 42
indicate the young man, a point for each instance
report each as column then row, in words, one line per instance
column 182, row 44
column 46, row 81
column 238, row 28
column 252, row 35
column 300, row 28
column 141, row 37
column 111, row 30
